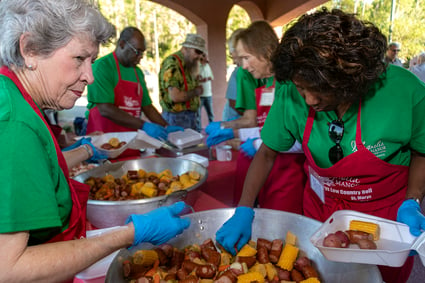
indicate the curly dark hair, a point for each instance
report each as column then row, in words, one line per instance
column 333, row 53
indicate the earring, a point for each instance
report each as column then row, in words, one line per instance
column 30, row 66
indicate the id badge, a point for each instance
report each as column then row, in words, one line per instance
column 267, row 97
column 317, row 184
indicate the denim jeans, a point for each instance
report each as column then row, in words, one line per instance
column 185, row 119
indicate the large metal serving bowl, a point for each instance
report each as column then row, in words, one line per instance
column 104, row 214
column 269, row 224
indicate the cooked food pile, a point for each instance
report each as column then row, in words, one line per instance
column 113, row 143
column 361, row 233
column 261, row 261
column 139, row 184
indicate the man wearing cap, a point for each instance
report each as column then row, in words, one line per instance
column 392, row 54
column 119, row 95
column 178, row 87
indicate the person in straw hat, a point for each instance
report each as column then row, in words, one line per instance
column 179, row 89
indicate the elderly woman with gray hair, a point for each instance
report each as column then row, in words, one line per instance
column 46, row 51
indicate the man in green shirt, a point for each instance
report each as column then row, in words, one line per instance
column 119, row 95
column 179, row 89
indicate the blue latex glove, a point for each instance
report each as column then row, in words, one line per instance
column 236, row 230
column 76, row 144
column 409, row 213
column 219, row 136
column 212, row 127
column 155, row 130
column 171, row 129
column 159, row 225
column 96, row 154
column 248, row 147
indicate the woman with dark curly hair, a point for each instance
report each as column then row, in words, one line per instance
column 359, row 120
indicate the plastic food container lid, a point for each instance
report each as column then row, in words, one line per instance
column 393, row 247
column 186, row 138
column 196, row 158
column 143, row 140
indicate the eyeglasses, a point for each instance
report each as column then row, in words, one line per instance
column 395, row 50
column 199, row 52
column 336, row 131
column 138, row 52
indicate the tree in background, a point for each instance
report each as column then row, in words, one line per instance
column 408, row 25
column 165, row 29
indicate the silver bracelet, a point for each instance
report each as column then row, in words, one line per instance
column 89, row 151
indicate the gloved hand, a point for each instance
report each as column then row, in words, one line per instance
column 159, row 225
column 155, row 130
column 96, row 154
column 248, row 147
column 409, row 213
column 236, row 230
column 219, row 136
column 171, row 129
column 212, row 127
column 75, row 145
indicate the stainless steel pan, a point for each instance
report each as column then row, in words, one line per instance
column 104, row 214
column 269, row 224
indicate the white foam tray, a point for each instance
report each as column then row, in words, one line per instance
column 393, row 247
column 143, row 140
column 97, row 141
column 185, row 139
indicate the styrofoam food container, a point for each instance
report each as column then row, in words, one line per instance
column 104, row 138
column 196, row 158
column 186, row 138
column 143, row 140
column 393, row 246
column 96, row 272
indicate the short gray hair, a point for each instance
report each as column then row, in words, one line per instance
column 51, row 24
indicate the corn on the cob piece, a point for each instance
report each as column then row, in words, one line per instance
column 260, row 268
column 149, row 191
column 311, row 280
column 271, row 271
column 247, row 250
column 251, row 277
column 194, row 175
column 291, row 238
column 288, row 257
column 145, row 257
column 368, row 227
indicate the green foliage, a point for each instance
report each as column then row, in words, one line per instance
column 171, row 28
column 408, row 21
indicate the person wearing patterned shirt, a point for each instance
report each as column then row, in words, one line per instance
column 178, row 87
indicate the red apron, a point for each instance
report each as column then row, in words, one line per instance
column 283, row 189
column 79, row 192
column 360, row 181
column 128, row 97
